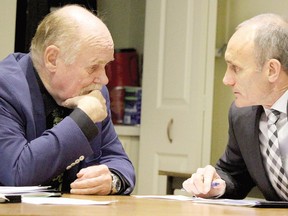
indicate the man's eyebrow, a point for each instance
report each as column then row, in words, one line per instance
column 230, row 62
column 101, row 61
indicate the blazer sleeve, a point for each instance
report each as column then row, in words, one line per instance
column 231, row 166
column 26, row 161
column 111, row 151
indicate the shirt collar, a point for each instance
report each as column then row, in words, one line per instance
column 280, row 104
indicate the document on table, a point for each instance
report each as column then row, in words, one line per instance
column 169, row 197
column 244, row 202
column 63, row 201
column 41, row 195
column 15, row 194
column 230, row 202
column 22, row 190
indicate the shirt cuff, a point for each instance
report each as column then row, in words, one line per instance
column 87, row 126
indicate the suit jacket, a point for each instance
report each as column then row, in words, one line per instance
column 241, row 165
column 32, row 155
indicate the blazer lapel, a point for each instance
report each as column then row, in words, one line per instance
column 287, row 110
column 36, row 97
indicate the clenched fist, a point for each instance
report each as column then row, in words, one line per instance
column 93, row 104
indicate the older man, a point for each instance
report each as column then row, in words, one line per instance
column 55, row 125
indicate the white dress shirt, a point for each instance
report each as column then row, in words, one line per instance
column 282, row 129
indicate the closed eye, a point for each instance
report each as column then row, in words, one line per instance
column 93, row 68
column 234, row 68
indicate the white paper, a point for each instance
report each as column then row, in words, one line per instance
column 62, row 201
column 3, row 198
column 231, row 202
column 170, row 197
column 21, row 190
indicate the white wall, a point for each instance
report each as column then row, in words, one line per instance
column 241, row 10
column 125, row 20
column 7, row 27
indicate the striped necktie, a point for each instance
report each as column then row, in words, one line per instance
column 274, row 163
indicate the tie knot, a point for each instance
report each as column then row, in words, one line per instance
column 273, row 116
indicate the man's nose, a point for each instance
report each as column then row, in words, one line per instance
column 102, row 78
column 228, row 79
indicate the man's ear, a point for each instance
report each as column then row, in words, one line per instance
column 274, row 69
column 51, row 54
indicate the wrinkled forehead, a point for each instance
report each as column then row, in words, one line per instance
column 102, row 39
column 96, row 33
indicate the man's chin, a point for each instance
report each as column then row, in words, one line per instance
column 240, row 103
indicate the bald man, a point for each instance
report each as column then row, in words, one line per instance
column 257, row 150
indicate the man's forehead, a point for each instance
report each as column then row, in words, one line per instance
column 231, row 58
column 239, row 44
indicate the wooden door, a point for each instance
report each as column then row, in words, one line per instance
column 177, row 99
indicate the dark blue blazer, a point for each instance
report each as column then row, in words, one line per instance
column 241, row 166
column 32, row 155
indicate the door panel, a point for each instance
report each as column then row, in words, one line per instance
column 177, row 88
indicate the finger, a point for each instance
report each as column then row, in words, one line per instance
column 198, row 183
column 94, row 171
column 190, row 186
column 94, row 190
column 187, row 185
column 200, row 171
column 85, row 183
column 194, row 185
column 89, row 172
column 203, row 179
column 205, row 183
column 209, row 175
column 84, row 191
column 91, row 186
column 98, row 94
column 198, row 176
column 81, row 173
column 70, row 102
column 75, row 101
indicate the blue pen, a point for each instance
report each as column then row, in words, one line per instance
column 214, row 184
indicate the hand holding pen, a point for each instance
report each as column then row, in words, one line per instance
column 205, row 183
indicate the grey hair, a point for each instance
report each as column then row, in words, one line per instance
column 63, row 31
column 271, row 38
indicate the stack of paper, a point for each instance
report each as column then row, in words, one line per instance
column 22, row 190
column 15, row 194
column 63, row 201
column 41, row 195
column 230, row 202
